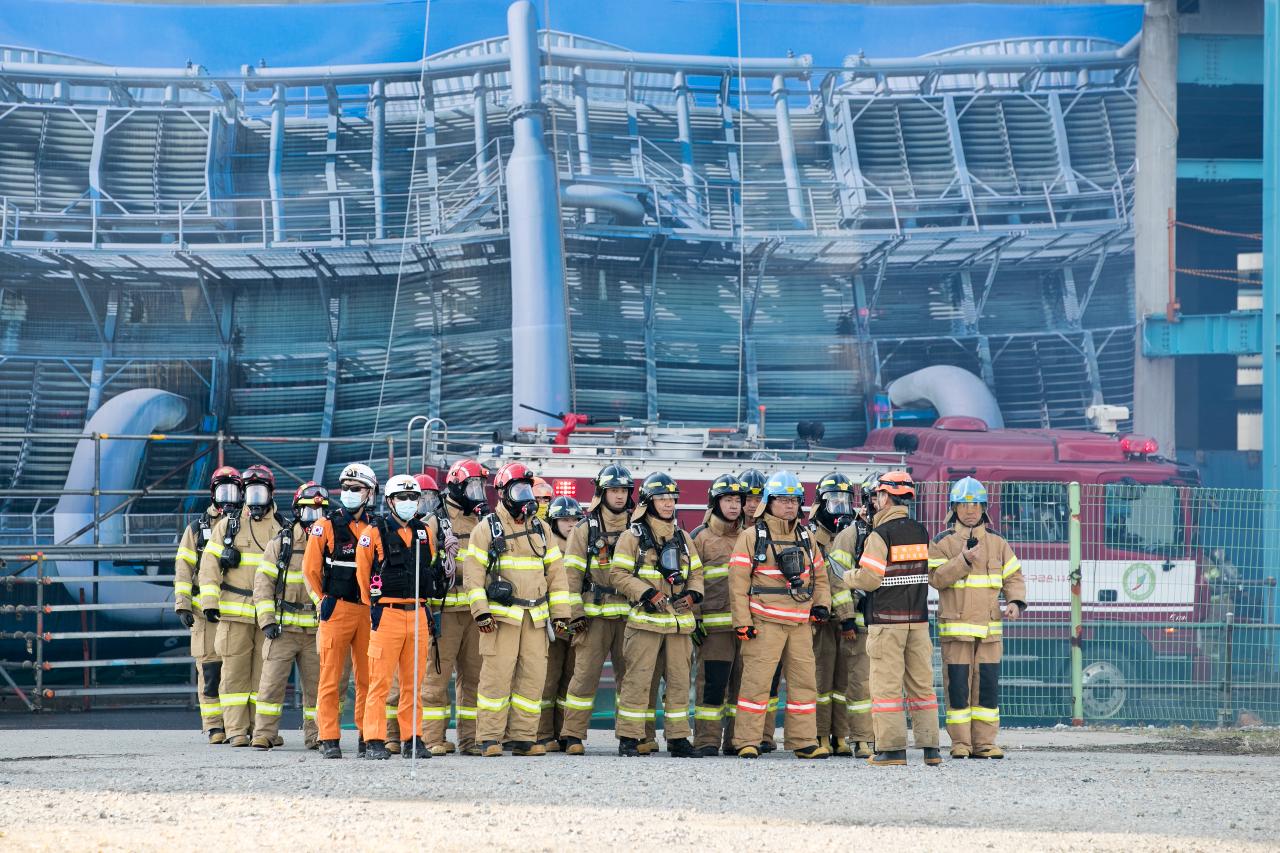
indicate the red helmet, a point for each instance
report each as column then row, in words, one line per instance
column 897, row 483
column 426, row 482
column 311, row 493
column 465, row 469
column 543, row 489
column 510, row 473
column 260, row 474
column 225, row 474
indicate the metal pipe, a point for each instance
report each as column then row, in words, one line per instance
column 582, row 122
column 1077, row 605
column 539, row 334
column 480, row 109
column 787, row 150
column 626, row 208
column 275, row 165
column 379, row 99
column 684, row 135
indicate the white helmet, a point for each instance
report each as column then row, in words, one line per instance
column 402, row 484
column 361, row 474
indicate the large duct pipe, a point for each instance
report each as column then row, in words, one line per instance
column 626, row 208
column 787, row 150
column 137, row 412
column 582, row 122
column 479, row 100
column 950, row 390
column 539, row 339
column 684, row 135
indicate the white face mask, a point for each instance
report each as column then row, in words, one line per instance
column 352, row 500
column 309, row 514
column 257, row 495
column 406, row 509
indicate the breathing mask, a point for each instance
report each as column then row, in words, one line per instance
column 669, row 563
column 792, row 564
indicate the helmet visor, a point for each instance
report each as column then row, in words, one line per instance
column 309, row 514
column 474, row 489
column 257, row 495
column 838, row 503
column 428, row 503
column 226, row 493
column 519, row 492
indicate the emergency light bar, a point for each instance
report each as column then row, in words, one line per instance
column 1138, row 445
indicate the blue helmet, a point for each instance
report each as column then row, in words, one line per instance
column 968, row 491
column 781, row 484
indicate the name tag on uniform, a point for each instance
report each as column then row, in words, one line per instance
column 908, row 553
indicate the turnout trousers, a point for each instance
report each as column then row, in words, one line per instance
column 902, row 659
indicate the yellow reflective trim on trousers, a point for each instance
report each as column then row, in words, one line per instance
column 270, row 709
column 233, row 700
column 579, row 703
column 308, row 713
column 435, row 713
column 186, row 554
column 484, row 703
column 525, row 704
column 713, row 572
column 824, row 698
column 210, row 709
column 717, row 620
column 962, row 629
column 393, row 712
column 712, row 714
column 635, row 713
column 844, row 596
column 960, row 716
column 860, row 707
column 466, row 713
column 986, row 715
column 838, row 698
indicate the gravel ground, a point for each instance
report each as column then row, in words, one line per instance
column 77, row 789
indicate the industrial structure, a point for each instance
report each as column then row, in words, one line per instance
column 328, row 251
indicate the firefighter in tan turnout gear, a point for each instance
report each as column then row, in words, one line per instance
column 226, row 491
column 515, row 583
column 717, row 644
column 778, row 584
column 843, row 556
column 972, row 568
column 563, row 515
column 227, row 571
column 458, row 644
column 833, row 640
column 656, row 566
column 286, row 613
column 894, row 571
column 587, row 560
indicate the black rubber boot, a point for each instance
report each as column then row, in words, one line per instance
column 766, row 746
column 629, row 746
column 889, row 758
column 573, row 746
column 377, row 750
column 361, row 748
column 708, row 751
column 414, row 749
column 330, row 749
column 932, row 756
column 681, row 748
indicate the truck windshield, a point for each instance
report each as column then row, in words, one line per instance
column 1143, row 517
column 1033, row 512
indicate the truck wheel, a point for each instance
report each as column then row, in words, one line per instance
column 1106, row 689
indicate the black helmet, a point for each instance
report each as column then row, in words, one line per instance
column 725, row 484
column 613, row 476
column 564, row 507
column 834, row 505
column 754, row 480
column 655, row 486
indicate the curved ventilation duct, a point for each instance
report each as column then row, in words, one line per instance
column 950, row 390
column 626, row 208
column 137, row 412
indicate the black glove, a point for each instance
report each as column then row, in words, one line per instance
column 819, row 613
column 187, row 618
column 849, row 629
column 699, row 633
column 375, row 616
column 212, row 614
column 647, row 600
column 326, row 607
column 272, row 631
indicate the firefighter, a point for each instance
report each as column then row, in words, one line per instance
column 544, row 495
column 778, row 586
column 329, row 566
column 894, row 571
column 972, row 568
column 396, row 571
column 657, row 567
column 458, row 643
column 717, row 645
column 833, row 640
column 226, row 492
column 587, row 561
column 562, row 516
column 286, row 613
column 843, row 557
column 515, row 582
column 227, row 570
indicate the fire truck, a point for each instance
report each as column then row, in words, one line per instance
column 1141, row 563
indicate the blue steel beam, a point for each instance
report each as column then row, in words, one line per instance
column 1220, row 60
column 1191, row 169
column 1237, row 333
